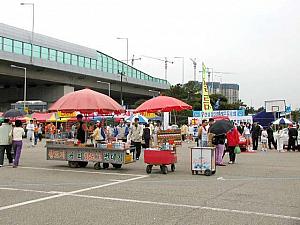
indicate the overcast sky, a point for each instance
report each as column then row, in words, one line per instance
column 258, row 41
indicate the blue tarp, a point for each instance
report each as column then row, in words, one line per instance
column 264, row 118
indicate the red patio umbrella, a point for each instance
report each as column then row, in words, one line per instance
column 87, row 101
column 163, row 104
column 41, row 117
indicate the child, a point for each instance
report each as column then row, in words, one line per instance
column 264, row 140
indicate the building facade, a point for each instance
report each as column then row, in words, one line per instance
column 230, row 91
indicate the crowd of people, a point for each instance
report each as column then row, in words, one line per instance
column 252, row 133
column 12, row 134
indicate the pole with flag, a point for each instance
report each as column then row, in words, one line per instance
column 206, row 106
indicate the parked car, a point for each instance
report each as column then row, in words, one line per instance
column 242, row 142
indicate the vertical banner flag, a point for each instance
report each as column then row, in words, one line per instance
column 206, row 106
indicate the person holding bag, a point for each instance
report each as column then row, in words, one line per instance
column 232, row 142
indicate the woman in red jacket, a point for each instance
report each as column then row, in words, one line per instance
column 232, row 141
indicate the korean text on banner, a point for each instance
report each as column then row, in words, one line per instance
column 206, row 106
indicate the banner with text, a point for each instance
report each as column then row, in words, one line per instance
column 206, row 106
column 202, row 114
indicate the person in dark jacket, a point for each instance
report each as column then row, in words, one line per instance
column 293, row 135
column 271, row 140
column 241, row 128
column 255, row 135
column 81, row 128
column 146, row 136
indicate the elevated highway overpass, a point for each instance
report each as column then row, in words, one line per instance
column 55, row 67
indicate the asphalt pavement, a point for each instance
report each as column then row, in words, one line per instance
column 261, row 188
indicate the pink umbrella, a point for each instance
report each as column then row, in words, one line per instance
column 87, row 101
column 163, row 104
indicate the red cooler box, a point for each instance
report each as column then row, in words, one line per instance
column 160, row 157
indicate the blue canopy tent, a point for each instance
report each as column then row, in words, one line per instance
column 264, row 118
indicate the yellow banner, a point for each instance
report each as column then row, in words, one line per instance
column 148, row 115
column 206, row 106
column 66, row 115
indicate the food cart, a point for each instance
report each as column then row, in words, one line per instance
column 79, row 155
column 203, row 160
column 165, row 153
column 88, row 101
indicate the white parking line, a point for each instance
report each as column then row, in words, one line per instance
column 142, row 202
column 257, row 178
column 80, row 171
column 68, row 193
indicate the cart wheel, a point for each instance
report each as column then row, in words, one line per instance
column 197, row 172
column 149, row 169
column 213, row 172
column 173, row 167
column 73, row 164
column 97, row 166
column 164, row 169
column 83, row 164
column 117, row 166
column 207, row 172
column 105, row 165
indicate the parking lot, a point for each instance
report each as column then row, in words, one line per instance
column 262, row 188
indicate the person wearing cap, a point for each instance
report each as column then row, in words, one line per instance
column 98, row 134
column 6, row 142
column 135, row 135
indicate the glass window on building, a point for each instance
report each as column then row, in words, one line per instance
column 104, row 61
column 67, row 58
column 129, row 69
column 134, row 73
column 44, row 53
column 80, row 61
column 138, row 74
column 1, row 43
column 93, row 64
column 99, row 64
column 18, row 48
column 7, row 45
column 74, row 60
column 36, row 51
column 52, row 55
column 120, row 67
column 115, row 66
column 27, row 49
column 109, row 65
column 60, row 57
column 125, row 68
column 87, row 62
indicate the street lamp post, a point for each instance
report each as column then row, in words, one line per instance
column 182, row 67
column 127, row 59
column 32, row 31
column 121, row 88
column 25, row 81
column 103, row 82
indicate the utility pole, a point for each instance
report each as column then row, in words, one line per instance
column 121, row 88
column 133, row 59
column 195, row 67
column 165, row 60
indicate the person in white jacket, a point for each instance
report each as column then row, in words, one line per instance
column 135, row 135
column 279, row 138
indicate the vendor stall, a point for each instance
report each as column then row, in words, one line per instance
column 78, row 155
column 172, row 136
column 165, row 153
column 76, row 151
